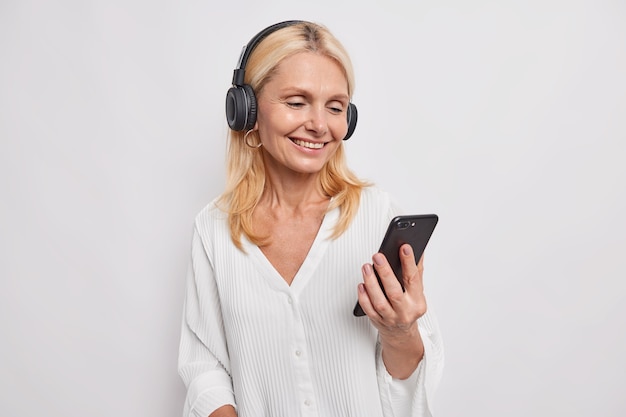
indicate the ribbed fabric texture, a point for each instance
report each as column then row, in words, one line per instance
column 270, row 349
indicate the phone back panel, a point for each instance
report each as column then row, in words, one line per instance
column 415, row 230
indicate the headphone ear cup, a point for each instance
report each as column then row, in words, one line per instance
column 241, row 108
column 251, row 107
column 352, row 115
column 235, row 108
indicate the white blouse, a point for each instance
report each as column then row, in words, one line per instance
column 272, row 349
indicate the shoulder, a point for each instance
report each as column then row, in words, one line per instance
column 374, row 193
column 375, row 209
column 211, row 224
column 370, row 221
column 211, row 213
column 373, row 198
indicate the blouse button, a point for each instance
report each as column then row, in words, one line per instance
column 307, row 402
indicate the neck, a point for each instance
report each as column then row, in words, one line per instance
column 293, row 193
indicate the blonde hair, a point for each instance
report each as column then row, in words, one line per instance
column 245, row 172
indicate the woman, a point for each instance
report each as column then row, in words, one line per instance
column 278, row 259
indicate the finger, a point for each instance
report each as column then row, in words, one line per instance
column 390, row 282
column 415, row 289
column 370, row 289
column 411, row 270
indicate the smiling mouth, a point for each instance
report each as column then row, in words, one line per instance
column 309, row 145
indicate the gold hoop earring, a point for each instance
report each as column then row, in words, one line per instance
column 245, row 139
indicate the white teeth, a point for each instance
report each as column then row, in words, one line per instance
column 308, row 144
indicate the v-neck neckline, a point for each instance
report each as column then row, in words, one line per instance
column 311, row 261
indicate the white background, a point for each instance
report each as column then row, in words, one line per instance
column 505, row 118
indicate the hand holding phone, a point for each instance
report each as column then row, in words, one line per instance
column 415, row 230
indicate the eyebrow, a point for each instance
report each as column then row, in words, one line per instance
column 297, row 91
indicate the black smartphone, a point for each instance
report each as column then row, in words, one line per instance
column 415, row 230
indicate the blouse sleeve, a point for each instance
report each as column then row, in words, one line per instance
column 203, row 362
column 413, row 397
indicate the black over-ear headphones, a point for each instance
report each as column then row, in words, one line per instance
column 241, row 107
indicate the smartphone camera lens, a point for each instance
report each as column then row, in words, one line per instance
column 403, row 225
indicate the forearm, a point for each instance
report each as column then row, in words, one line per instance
column 402, row 352
column 224, row 411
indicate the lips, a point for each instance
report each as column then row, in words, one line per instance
column 310, row 145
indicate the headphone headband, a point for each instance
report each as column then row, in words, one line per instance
column 240, row 71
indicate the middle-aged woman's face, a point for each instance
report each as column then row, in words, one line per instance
column 302, row 113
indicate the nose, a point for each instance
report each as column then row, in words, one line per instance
column 317, row 121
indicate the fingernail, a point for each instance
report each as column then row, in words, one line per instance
column 367, row 269
column 406, row 250
column 378, row 259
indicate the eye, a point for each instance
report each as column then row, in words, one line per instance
column 336, row 107
column 336, row 110
column 294, row 104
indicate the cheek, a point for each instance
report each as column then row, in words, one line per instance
column 279, row 122
column 338, row 127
